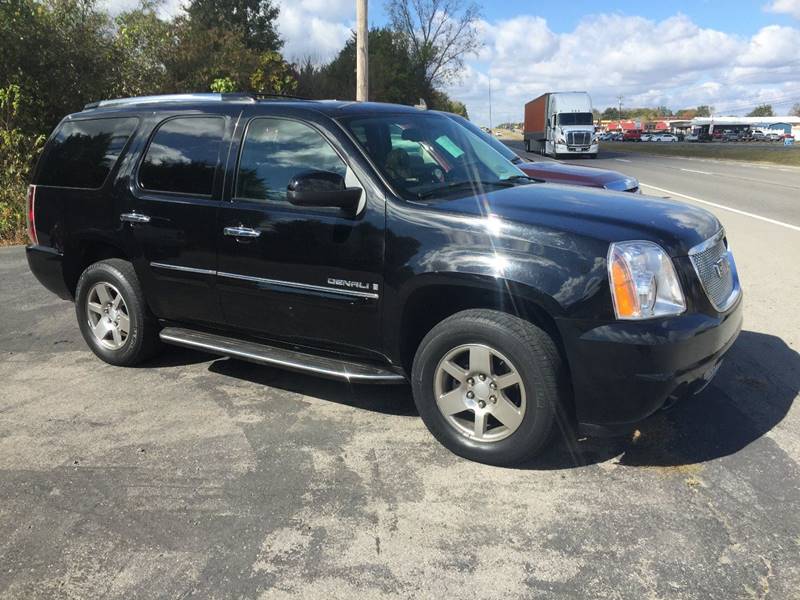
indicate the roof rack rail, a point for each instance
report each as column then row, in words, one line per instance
column 194, row 97
column 259, row 95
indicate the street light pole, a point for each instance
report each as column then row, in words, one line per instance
column 362, row 69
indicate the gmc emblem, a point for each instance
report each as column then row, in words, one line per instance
column 721, row 267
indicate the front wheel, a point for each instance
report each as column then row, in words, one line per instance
column 488, row 386
column 112, row 314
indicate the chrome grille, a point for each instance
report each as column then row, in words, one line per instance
column 579, row 138
column 714, row 266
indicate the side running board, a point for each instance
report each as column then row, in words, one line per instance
column 323, row 366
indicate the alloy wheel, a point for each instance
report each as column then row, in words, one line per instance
column 107, row 313
column 480, row 392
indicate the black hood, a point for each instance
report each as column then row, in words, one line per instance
column 600, row 214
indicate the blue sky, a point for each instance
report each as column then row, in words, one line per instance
column 736, row 17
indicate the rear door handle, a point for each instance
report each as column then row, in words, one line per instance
column 240, row 231
column 134, row 217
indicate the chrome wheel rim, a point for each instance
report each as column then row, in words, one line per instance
column 480, row 392
column 107, row 314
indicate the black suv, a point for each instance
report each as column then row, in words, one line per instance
column 379, row 244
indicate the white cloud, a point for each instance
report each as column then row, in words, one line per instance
column 673, row 62
column 789, row 7
column 315, row 28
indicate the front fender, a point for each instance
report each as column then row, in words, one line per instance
column 562, row 273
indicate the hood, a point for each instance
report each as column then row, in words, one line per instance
column 573, row 174
column 599, row 214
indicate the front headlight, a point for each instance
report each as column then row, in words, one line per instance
column 643, row 281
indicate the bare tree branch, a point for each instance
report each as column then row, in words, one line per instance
column 441, row 34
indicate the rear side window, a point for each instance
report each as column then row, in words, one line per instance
column 182, row 157
column 82, row 153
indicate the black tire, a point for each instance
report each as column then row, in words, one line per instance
column 141, row 340
column 535, row 359
column 527, row 145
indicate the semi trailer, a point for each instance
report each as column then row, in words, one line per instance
column 560, row 124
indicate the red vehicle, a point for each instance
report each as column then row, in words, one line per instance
column 632, row 135
column 553, row 172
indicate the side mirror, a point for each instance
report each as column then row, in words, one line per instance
column 322, row 188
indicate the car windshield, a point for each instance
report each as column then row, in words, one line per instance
column 489, row 139
column 429, row 156
column 575, row 119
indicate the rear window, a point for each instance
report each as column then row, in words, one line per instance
column 82, row 153
column 183, row 156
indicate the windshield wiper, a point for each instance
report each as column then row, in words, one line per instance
column 452, row 187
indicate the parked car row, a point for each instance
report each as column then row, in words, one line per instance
column 634, row 135
column 748, row 135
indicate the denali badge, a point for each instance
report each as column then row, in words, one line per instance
column 360, row 285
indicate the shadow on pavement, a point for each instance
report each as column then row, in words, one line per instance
column 698, row 429
column 386, row 399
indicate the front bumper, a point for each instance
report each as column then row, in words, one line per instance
column 46, row 264
column 570, row 149
column 624, row 371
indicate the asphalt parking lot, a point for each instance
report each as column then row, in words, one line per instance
column 203, row 477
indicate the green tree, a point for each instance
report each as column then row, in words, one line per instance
column 223, row 85
column 704, row 110
column 252, row 20
column 143, row 41
column 199, row 56
column 795, row 110
column 61, row 54
column 17, row 154
column 273, row 75
column 762, row 110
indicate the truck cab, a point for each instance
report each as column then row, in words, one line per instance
column 561, row 124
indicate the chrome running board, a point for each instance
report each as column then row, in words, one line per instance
column 293, row 360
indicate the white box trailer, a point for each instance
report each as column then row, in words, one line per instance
column 561, row 124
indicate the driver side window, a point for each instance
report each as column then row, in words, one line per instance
column 274, row 151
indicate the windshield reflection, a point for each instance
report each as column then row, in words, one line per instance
column 428, row 156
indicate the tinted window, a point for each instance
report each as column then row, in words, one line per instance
column 428, row 156
column 82, row 153
column 182, row 157
column 274, row 151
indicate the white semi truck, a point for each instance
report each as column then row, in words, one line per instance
column 561, row 124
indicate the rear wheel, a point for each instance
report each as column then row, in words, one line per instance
column 112, row 314
column 527, row 145
column 487, row 385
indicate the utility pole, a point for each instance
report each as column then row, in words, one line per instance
column 620, row 106
column 362, row 50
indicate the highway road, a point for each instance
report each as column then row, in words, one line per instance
column 770, row 191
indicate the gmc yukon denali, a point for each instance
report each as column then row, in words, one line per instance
column 381, row 244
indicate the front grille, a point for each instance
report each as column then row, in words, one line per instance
column 714, row 266
column 579, row 138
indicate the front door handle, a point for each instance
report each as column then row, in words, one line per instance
column 244, row 232
column 134, row 217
